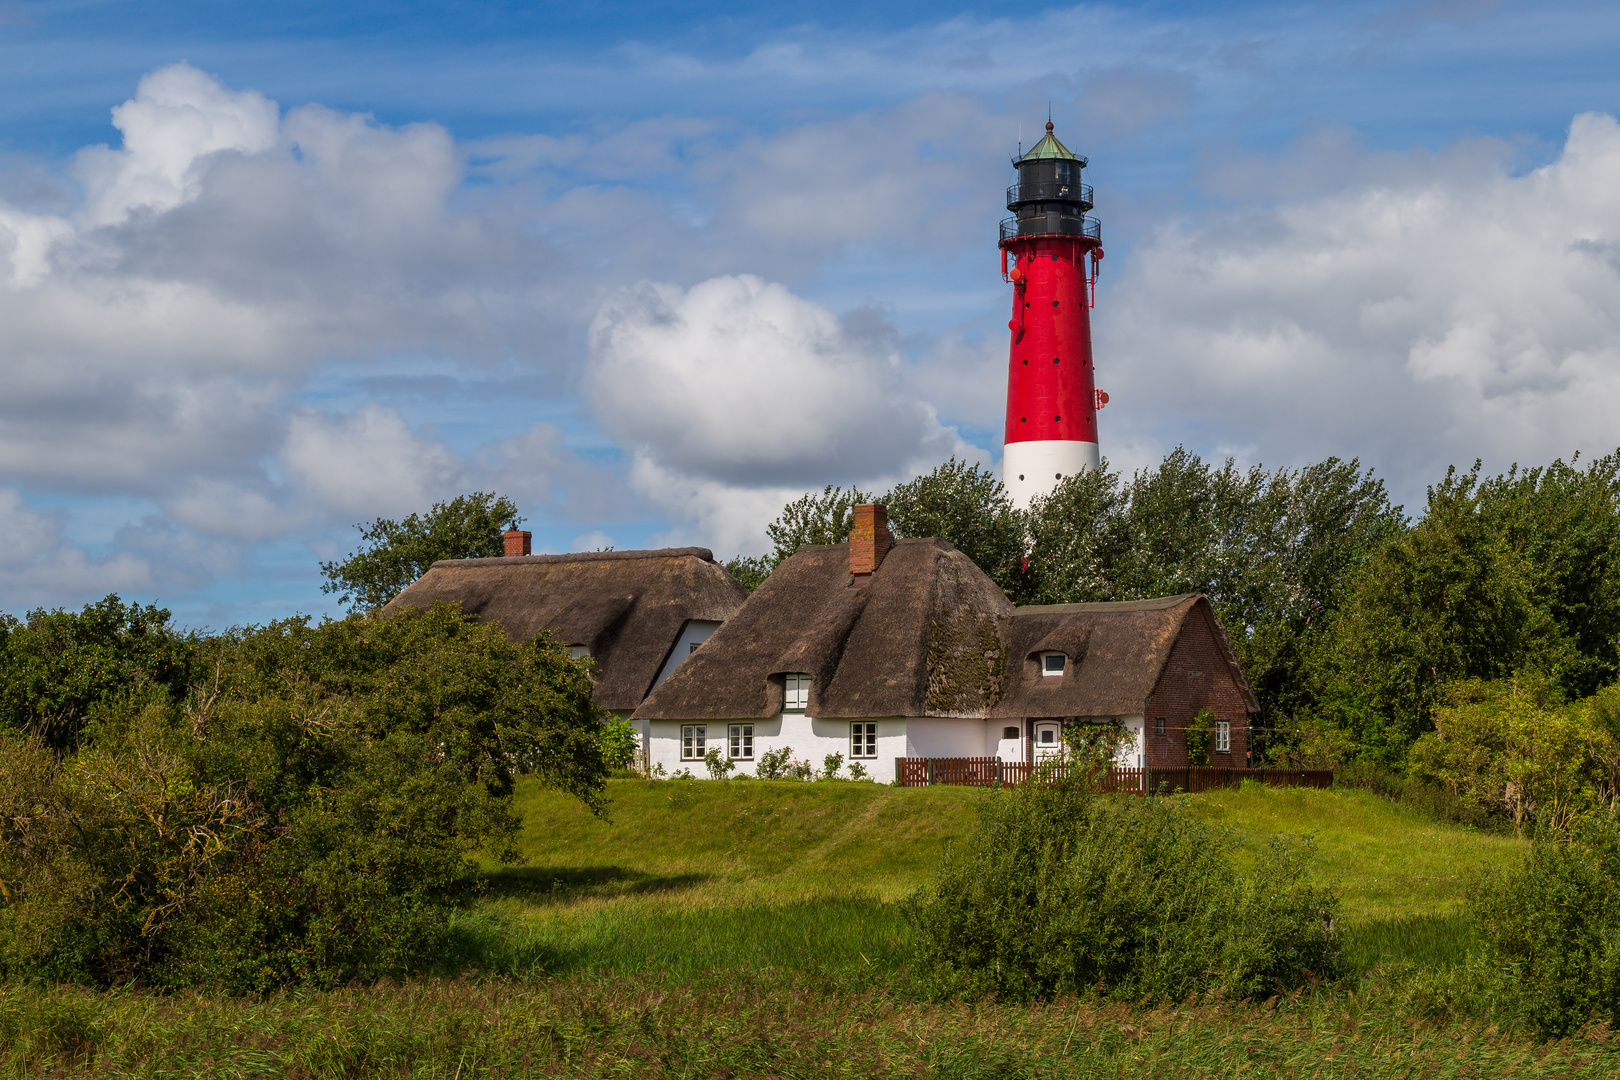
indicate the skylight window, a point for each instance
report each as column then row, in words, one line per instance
column 1052, row 665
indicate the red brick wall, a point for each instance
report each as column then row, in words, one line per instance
column 1196, row 677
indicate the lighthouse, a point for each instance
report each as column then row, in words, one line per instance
column 1049, row 252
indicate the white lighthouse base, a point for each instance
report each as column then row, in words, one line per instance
column 1034, row 468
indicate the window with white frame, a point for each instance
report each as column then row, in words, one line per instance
column 742, row 742
column 694, row 648
column 1052, row 665
column 863, row 739
column 693, row 742
column 578, row 652
column 797, row 696
column 1223, row 737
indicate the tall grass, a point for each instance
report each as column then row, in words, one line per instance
column 751, row 1024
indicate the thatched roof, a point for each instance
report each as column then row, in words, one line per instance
column 866, row 647
column 929, row 635
column 1115, row 653
column 626, row 607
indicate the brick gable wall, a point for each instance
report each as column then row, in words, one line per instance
column 1197, row 676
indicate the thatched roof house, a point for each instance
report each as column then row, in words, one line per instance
column 638, row 614
column 878, row 650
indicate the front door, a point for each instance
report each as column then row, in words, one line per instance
column 1048, row 737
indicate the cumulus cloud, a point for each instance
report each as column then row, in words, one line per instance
column 368, row 463
column 736, row 391
column 40, row 566
column 740, row 380
column 1455, row 310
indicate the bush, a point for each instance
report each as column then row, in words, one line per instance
column 1426, row 798
column 1058, row 891
column 308, row 817
column 619, row 744
column 1553, row 924
column 775, row 764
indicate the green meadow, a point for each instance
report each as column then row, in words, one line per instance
column 754, row 928
column 682, row 877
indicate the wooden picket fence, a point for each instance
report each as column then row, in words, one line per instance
column 992, row 772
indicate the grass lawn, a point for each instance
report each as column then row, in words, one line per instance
column 1389, row 862
column 753, row 929
column 686, row 877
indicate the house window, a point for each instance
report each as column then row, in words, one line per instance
column 692, row 742
column 742, row 742
column 1158, row 726
column 1009, row 733
column 797, row 696
column 1052, row 665
column 578, row 652
column 693, row 648
column 1223, row 737
column 1047, row 734
column 863, row 739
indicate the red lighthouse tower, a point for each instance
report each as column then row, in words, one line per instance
column 1049, row 251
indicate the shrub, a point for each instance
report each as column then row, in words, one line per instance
column 1200, row 732
column 619, row 744
column 775, row 764
column 830, row 766
column 1426, row 798
column 717, row 765
column 1058, row 891
column 308, row 818
column 1553, row 924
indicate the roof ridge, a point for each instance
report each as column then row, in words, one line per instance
column 1157, row 603
column 579, row 556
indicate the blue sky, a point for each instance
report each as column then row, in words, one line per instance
column 653, row 269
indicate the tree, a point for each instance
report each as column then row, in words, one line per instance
column 61, row 672
column 815, row 519
column 1274, row 552
column 1508, row 574
column 966, row 505
column 399, row 552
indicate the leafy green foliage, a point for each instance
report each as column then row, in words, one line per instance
column 750, row 570
column 1551, row 922
column 1060, row 892
column 62, row 671
column 816, row 518
column 1514, row 748
column 305, row 815
column 1200, row 732
column 399, row 552
column 1517, row 572
column 619, row 744
column 1276, row 553
column 966, row 505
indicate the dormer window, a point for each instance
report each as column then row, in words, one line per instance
column 796, row 696
column 1052, row 665
column 578, row 652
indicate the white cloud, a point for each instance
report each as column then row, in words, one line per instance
column 1449, row 312
column 40, row 566
column 178, row 116
column 740, row 380
column 738, row 395
column 366, row 464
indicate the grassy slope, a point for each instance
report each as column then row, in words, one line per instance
column 685, row 877
column 1388, row 861
column 750, row 842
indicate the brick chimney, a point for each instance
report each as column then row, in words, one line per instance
column 517, row 542
column 869, row 538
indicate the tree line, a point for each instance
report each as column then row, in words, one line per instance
column 1359, row 625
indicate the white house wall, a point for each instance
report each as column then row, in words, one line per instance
column 694, row 633
column 810, row 739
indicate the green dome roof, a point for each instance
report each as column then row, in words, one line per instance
column 1049, row 147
